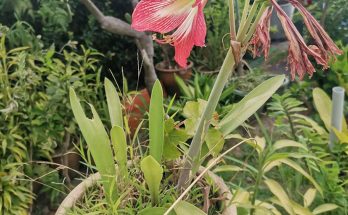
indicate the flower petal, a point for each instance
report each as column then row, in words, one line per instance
column 160, row 15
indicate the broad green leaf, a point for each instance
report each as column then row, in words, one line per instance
column 215, row 141
column 154, row 211
column 323, row 105
column 309, row 196
column 324, row 208
column 119, row 143
column 241, row 197
column 278, row 192
column 280, row 144
column 172, row 138
column 185, row 208
column 153, row 173
column 156, row 122
column 98, row 143
column 114, row 104
column 250, row 104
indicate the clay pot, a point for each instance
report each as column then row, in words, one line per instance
column 166, row 76
column 135, row 109
column 78, row 192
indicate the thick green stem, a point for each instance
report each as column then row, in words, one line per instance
column 192, row 160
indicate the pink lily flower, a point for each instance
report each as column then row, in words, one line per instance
column 299, row 52
column 183, row 18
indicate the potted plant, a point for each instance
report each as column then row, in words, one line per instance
column 167, row 69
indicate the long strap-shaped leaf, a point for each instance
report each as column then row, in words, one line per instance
column 114, row 104
column 156, row 122
column 250, row 104
column 98, row 143
column 119, row 143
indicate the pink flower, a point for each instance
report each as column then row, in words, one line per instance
column 183, row 18
column 261, row 39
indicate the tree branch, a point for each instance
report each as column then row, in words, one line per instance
column 143, row 41
column 111, row 24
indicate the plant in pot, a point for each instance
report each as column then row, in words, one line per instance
column 155, row 165
column 167, row 69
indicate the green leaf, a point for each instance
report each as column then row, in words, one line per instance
column 227, row 168
column 185, row 208
column 156, row 122
column 153, row 173
column 114, row 104
column 98, row 143
column 309, row 196
column 172, row 138
column 324, row 208
column 280, row 144
column 250, row 104
column 323, row 104
column 215, row 141
column 119, row 143
column 278, row 192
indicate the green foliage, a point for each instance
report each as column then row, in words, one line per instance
column 34, row 108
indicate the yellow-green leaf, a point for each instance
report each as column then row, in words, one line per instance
column 324, row 208
column 185, row 208
column 278, row 192
column 153, row 173
column 119, row 143
column 114, row 104
column 156, row 122
column 309, row 197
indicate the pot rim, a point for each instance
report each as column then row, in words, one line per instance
column 164, row 70
column 78, row 192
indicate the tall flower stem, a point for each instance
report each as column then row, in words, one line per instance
column 192, row 159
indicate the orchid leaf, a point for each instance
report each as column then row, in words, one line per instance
column 98, row 143
column 156, row 122
column 119, row 143
column 114, row 104
column 153, row 173
column 250, row 104
column 172, row 138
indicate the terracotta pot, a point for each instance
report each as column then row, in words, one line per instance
column 167, row 76
column 77, row 193
column 135, row 109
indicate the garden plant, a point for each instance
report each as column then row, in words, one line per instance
column 81, row 134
